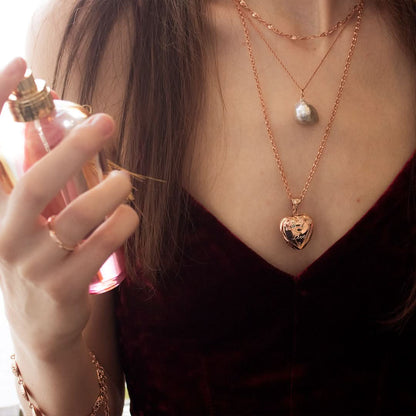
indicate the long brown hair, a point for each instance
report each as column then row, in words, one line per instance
column 165, row 91
column 165, row 87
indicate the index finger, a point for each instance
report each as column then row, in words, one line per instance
column 10, row 76
column 43, row 181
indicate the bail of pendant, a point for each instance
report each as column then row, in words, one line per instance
column 295, row 204
column 305, row 113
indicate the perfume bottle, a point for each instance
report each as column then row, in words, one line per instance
column 39, row 123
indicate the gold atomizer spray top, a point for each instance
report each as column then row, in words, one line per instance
column 31, row 100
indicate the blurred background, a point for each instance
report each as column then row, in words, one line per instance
column 15, row 18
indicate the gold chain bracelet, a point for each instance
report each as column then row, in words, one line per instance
column 102, row 400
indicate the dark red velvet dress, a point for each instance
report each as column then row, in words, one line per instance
column 228, row 334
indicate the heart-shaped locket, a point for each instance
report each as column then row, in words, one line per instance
column 297, row 230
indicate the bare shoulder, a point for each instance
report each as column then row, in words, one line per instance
column 45, row 37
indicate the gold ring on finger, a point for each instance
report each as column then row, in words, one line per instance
column 55, row 238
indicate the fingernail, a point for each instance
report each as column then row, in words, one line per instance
column 124, row 173
column 104, row 123
column 127, row 175
column 14, row 66
column 121, row 172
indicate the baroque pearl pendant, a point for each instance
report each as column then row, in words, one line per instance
column 305, row 113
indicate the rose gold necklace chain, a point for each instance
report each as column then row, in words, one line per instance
column 282, row 64
column 333, row 112
column 291, row 36
column 305, row 113
column 297, row 230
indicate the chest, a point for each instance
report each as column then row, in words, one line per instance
column 234, row 172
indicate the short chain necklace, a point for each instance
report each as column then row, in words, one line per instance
column 305, row 113
column 291, row 36
column 297, row 229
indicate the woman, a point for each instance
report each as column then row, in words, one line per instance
column 220, row 315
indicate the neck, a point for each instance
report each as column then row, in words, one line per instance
column 302, row 17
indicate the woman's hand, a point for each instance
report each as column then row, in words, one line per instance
column 45, row 288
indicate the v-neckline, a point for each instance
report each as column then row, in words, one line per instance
column 331, row 250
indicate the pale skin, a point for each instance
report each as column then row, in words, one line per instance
column 233, row 174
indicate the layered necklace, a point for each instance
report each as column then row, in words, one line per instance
column 292, row 36
column 297, row 228
column 305, row 113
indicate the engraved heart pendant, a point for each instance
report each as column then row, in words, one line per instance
column 297, row 230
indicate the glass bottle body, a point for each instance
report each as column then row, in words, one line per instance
column 23, row 144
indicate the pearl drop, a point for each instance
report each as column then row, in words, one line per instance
column 305, row 113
